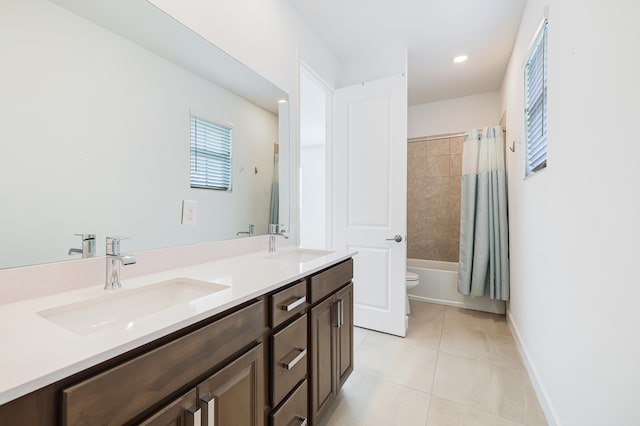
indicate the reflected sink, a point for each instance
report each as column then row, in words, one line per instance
column 124, row 306
column 298, row 255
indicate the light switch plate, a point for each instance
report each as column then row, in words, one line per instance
column 189, row 212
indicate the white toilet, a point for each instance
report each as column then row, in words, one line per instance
column 412, row 280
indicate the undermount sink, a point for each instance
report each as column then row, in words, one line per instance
column 298, row 255
column 124, row 306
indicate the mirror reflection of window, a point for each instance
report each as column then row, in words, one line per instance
column 210, row 155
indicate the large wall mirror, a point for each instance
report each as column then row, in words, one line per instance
column 95, row 105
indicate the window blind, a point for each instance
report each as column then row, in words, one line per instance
column 210, row 155
column 536, row 104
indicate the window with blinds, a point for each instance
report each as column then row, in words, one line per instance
column 210, row 155
column 535, row 77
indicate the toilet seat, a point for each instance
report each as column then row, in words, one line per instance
column 412, row 276
column 411, row 281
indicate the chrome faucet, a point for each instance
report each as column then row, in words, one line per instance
column 114, row 260
column 251, row 232
column 88, row 246
column 274, row 231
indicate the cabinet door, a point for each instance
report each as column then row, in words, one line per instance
column 344, row 361
column 323, row 357
column 183, row 411
column 234, row 396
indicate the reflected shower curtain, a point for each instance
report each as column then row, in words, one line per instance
column 484, row 240
column 274, row 209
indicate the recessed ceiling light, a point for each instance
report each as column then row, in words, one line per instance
column 460, row 58
column 282, row 101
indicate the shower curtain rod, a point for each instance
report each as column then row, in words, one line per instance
column 435, row 138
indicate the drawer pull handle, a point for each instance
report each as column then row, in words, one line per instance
column 289, row 365
column 208, row 406
column 291, row 306
column 301, row 419
column 192, row 416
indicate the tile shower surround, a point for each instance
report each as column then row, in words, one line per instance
column 434, row 173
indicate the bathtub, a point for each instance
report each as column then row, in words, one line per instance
column 439, row 284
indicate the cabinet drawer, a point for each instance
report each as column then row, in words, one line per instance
column 120, row 394
column 295, row 410
column 289, row 362
column 286, row 303
column 328, row 281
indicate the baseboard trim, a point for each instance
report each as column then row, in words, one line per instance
column 455, row 304
column 545, row 403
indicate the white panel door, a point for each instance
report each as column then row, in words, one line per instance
column 370, row 197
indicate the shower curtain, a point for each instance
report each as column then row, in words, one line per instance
column 274, row 209
column 484, row 240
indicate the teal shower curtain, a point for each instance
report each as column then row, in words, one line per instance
column 274, row 208
column 484, row 232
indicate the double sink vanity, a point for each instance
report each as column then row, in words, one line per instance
column 256, row 339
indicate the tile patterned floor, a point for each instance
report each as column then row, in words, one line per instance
column 456, row 367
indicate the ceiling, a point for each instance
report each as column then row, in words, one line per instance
column 433, row 32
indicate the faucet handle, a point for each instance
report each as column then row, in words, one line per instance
column 113, row 245
column 274, row 228
column 86, row 236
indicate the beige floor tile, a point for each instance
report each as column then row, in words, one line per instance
column 466, row 360
column 396, row 360
column 448, row 413
column 425, row 324
column 535, row 415
column 359, row 335
column 484, row 385
column 367, row 400
column 459, row 339
column 475, row 320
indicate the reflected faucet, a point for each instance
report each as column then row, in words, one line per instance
column 114, row 260
column 88, row 246
column 251, row 232
column 274, row 231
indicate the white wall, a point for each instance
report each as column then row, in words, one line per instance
column 373, row 64
column 454, row 115
column 313, row 214
column 575, row 227
column 95, row 135
column 314, row 99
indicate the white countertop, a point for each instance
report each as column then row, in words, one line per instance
column 37, row 352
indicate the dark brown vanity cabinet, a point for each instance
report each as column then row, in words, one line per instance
column 221, row 362
column 289, row 356
column 232, row 396
column 312, row 354
column 331, row 336
column 278, row 359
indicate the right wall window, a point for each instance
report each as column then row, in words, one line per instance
column 535, row 81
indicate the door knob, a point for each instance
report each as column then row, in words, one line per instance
column 397, row 239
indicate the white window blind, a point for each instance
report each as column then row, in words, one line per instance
column 535, row 73
column 210, row 155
